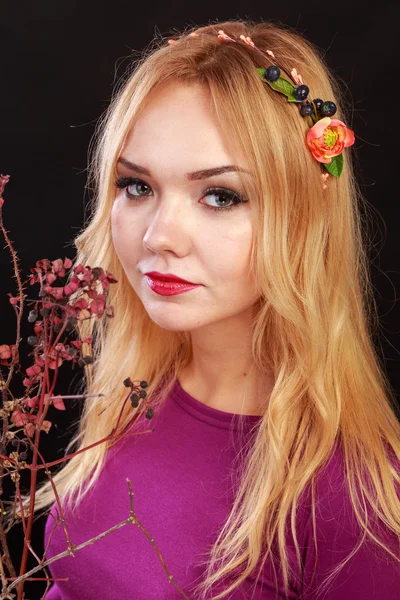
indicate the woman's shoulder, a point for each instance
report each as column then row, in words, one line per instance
column 327, row 511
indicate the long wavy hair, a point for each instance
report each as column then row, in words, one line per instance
column 316, row 314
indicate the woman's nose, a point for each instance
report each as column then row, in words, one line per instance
column 169, row 227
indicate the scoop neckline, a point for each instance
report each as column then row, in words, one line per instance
column 210, row 415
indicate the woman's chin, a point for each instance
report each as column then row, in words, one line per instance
column 172, row 318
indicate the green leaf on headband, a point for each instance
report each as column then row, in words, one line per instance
column 280, row 85
column 285, row 87
column 336, row 166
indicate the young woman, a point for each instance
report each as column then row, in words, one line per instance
column 270, row 468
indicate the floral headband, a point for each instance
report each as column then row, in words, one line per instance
column 326, row 138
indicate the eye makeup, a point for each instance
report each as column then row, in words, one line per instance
column 236, row 199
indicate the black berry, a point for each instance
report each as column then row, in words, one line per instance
column 71, row 324
column 32, row 340
column 45, row 312
column 96, row 272
column 143, row 384
column 318, row 103
column 88, row 360
column 32, row 316
column 306, row 109
column 149, row 413
column 127, row 382
column 272, row 73
column 134, row 400
column 328, row 109
column 301, row 92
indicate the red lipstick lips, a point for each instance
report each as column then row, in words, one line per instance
column 167, row 277
column 168, row 284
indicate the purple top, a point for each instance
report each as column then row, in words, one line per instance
column 183, row 491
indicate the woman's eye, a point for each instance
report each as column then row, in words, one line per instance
column 227, row 198
column 128, row 182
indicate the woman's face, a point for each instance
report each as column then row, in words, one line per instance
column 164, row 220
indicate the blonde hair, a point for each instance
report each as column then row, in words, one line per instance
column 315, row 318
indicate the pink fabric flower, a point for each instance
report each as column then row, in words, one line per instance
column 223, row 36
column 296, row 76
column 327, row 138
column 247, row 39
column 324, row 178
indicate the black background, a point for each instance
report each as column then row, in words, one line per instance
column 59, row 65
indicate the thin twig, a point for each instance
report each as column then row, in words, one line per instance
column 74, row 548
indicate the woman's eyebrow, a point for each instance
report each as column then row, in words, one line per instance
column 202, row 174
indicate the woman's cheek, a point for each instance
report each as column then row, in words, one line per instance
column 118, row 229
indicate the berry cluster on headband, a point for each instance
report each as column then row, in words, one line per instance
column 327, row 138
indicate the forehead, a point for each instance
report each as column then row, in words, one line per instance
column 178, row 128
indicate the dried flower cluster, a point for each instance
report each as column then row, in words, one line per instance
column 60, row 307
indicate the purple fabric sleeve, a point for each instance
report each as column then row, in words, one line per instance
column 371, row 574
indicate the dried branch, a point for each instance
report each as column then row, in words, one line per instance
column 72, row 548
